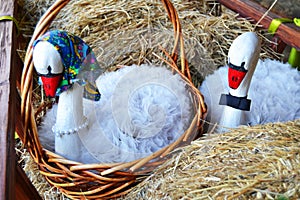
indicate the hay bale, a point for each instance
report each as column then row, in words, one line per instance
column 260, row 162
column 129, row 32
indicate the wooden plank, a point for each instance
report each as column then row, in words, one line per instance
column 7, row 101
column 19, row 66
column 288, row 33
column 24, row 188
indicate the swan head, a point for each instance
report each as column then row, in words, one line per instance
column 61, row 59
column 243, row 56
column 49, row 66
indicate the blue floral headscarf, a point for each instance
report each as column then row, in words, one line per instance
column 80, row 63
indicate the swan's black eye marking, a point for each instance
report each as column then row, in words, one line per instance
column 243, row 64
column 49, row 74
column 238, row 68
column 49, row 70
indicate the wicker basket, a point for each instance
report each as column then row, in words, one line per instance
column 94, row 181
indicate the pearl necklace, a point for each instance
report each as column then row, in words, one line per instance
column 60, row 133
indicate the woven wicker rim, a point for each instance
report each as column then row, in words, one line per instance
column 105, row 180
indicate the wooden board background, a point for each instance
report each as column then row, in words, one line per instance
column 7, row 102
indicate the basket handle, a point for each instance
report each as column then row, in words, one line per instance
column 30, row 136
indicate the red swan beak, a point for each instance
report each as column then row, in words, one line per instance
column 235, row 77
column 51, row 84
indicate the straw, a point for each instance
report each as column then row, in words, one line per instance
column 261, row 162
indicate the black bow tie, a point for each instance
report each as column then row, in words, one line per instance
column 241, row 103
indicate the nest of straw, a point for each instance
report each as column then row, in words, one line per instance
column 261, row 162
column 207, row 27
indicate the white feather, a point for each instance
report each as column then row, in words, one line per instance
column 142, row 109
column 274, row 93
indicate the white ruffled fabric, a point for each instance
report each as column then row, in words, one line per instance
column 274, row 92
column 142, row 109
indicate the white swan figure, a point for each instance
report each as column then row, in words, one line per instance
column 250, row 91
column 141, row 109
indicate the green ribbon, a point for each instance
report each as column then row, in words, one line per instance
column 10, row 18
column 297, row 21
column 294, row 57
column 276, row 23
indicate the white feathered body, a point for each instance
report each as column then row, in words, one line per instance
column 141, row 110
column 274, row 93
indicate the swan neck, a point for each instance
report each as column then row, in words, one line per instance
column 70, row 109
column 231, row 118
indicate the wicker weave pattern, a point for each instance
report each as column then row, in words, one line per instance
column 94, row 181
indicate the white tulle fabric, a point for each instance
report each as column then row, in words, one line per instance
column 274, row 92
column 142, row 109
